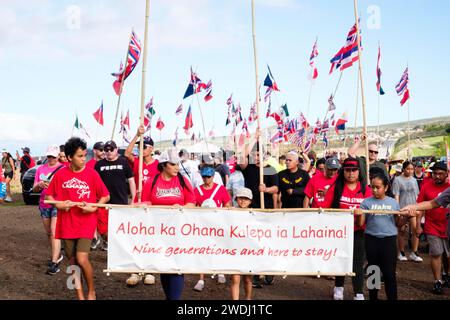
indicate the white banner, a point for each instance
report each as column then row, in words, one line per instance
column 214, row 241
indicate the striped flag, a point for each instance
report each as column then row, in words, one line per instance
column 348, row 54
column 379, row 88
column 179, row 110
column 402, row 87
column 314, row 54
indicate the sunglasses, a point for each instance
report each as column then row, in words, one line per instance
column 350, row 169
column 373, row 151
column 51, row 157
column 206, row 177
column 101, row 150
column 109, row 149
column 172, row 164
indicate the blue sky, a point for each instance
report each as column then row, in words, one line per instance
column 56, row 64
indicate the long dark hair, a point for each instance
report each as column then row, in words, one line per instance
column 339, row 187
column 385, row 181
column 161, row 167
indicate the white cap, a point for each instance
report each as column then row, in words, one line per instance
column 244, row 193
column 171, row 155
column 53, row 151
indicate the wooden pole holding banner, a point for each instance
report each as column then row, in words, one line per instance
column 409, row 128
column 363, row 100
column 144, row 68
column 258, row 134
column 121, row 87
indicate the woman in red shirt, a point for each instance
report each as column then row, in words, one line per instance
column 348, row 192
column 169, row 188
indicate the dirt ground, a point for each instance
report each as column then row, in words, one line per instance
column 24, row 252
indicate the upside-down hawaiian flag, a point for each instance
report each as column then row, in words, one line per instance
column 134, row 53
column 188, row 124
column 270, row 81
column 348, row 54
column 98, row 115
column 160, row 124
column 195, row 85
column 340, row 123
column 314, row 54
column 208, row 96
column 402, row 87
column 379, row 88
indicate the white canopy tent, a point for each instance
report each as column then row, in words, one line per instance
column 201, row 148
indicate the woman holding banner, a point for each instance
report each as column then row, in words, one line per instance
column 169, row 188
column 348, row 192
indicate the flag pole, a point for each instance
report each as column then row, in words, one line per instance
column 144, row 67
column 203, row 123
column 356, row 107
column 121, row 87
column 379, row 94
column 363, row 100
column 258, row 135
column 409, row 128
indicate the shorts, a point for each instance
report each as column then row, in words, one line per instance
column 2, row 190
column 48, row 213
column 76, row 245
column 102, row 221
column 438, row 245
column 8, row 175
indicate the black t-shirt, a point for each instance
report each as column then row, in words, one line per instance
column 419, row 179
column 251, row 176
column 223, row 170
column 25, row 163
column 115, row 175
column 296, row 181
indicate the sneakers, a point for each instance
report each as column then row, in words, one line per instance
column 53, row 268
column 256, row 282
column 338, row 293
column 95, row 243
column 414, row 256
column 221, row 279
column 446, row 280
column 49, row 262
column 269, row 280
column 8, row 199
column 133, row 280
column 437, row 288
column 402, row 257
column 199, row 286
column 105, row 245
column 359, row 296
column 149, row 279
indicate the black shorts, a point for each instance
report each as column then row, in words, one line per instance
column 8, row 175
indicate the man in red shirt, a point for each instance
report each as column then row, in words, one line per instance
column 76, row 187
column 436, row 224
column 99, row 154
column 318, row 186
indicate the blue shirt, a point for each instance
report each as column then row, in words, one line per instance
column 380, row 225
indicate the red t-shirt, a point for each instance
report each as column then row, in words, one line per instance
column 77, row 187
column 318, row 182
column 149, row 171
column 221, row 198
column 350, row 199
column 2, row 178
column 168, row 192
column 435, row 219
column 91, row 163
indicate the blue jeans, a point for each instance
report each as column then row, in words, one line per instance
column 173, row 285
column 48, row 213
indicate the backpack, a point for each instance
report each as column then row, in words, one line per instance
column 209, row 203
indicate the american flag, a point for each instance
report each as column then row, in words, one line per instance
column 298, row 138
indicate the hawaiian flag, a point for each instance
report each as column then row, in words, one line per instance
column 253, row 115
column 333, row 122
column 314, row 54
column 270, row 81
column 188, row 123
column 303, row 120
column 325, row 126
column 175, row 141
column 208, row 96
column 245, row 128
column 134, row 53
column 160, row 124
column 149, row 113
column 124, row 123
column 379, row 88
column 402, row 87
column 268, row 110
column 193, row 85
column 318, row 127
column 279, row 135
column 331, row 106
column 179, row 110
column 348, row 54
column 98, row 115
column 267, row 94
column 340, row 124
column 126, row 120
column 230, row 100
column 239, row 118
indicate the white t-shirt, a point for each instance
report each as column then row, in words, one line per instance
column 188, row 169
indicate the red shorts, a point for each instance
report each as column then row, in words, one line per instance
column 102, row 220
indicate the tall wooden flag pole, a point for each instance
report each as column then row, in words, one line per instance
column 363, row 100
column 121, row 87
column 258, row 134
column 409, row 127
column 144, row 67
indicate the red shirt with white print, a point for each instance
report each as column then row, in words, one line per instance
column 86, row 186
column 318, row 182
column 350, row 199
column 168, row 192
column 221, row 198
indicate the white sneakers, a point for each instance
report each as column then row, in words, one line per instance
column 149, row 279
column 199, row 286
column 402, row 257
column 135, row 278
column 338, row 293
column 414, row 257
column 221, row 279
column 8, row 199
column 359, row 296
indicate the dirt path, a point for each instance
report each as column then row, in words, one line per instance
column 24, row 253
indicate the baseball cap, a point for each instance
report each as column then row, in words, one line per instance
column 418, row 164
column 207, row 159
column 110, row 144
column 26, row 149
column 4, row 150
column 439, row 166
column 350, row 163
column 332, row 163
column 183, row 152
column 52, row 151
column 99, row 145
column 171, row 155
column 207, row 172
column 244, row 193
column 147, row 141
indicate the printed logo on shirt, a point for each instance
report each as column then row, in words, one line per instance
column 83, row 187
column 352, row 203
column 112, row 167
column 166, row 193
